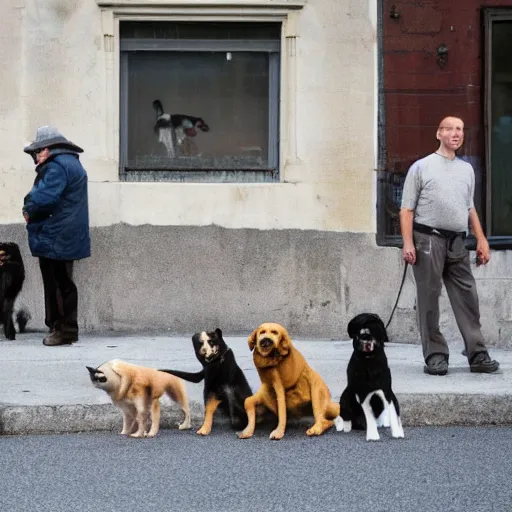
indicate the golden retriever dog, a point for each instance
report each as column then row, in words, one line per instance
column 288, row 384
column 136, row 390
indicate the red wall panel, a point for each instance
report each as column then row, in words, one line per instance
column 418, row 93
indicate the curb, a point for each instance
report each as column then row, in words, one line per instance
column 61, row 419
column 416, row 410
column 455, row 409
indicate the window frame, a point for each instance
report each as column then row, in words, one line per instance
column 223, row 175
column 286, row 12
column 490, row 15
column 382, row 238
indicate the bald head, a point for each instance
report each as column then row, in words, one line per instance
column 450, row 134
column 450, row 121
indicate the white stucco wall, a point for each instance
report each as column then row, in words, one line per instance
column 55, row 71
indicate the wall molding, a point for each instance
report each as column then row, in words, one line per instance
column 286, row 4
column 211, row 8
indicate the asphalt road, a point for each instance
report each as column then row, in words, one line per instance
column 433, row 469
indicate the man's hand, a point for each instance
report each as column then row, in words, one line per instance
column 483, row 253
column 409, row 253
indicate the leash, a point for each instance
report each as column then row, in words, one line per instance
column 399, row 293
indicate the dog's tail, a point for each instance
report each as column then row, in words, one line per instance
column 189, row 377
column 22, row 318
column 157, row 105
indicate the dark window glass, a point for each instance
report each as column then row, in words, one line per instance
column 202, row 108
column 501, row 131
column 230, row 96
column 199, row 30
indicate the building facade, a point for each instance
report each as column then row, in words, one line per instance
column 244, row 157
column 439, row 59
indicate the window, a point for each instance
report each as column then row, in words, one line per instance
column 499, row 122
column 417, row 89
column 199, row 101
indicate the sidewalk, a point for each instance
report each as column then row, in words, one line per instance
column 47, row 389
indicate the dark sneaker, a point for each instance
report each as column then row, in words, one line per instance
column 436, row 365
column 482, row 363
column 57, row 338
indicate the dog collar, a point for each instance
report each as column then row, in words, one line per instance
column 224, row 354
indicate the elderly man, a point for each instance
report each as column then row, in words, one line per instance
column 437, row 204
column 57, row 215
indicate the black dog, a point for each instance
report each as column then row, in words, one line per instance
column 12, row 275
column 368, row 400
column 225, row 385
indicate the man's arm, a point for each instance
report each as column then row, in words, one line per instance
column 483, row 252
column 410, row 195
column 43, row 199
column 406, row 222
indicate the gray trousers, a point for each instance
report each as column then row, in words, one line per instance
column 440, row 260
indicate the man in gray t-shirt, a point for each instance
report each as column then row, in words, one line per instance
column 440, row 192
column 437, row 206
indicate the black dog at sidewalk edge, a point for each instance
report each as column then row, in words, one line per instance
column 225, row 385
column 368, row 400
column 12, row 276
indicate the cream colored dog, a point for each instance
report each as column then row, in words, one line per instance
column 137, row 390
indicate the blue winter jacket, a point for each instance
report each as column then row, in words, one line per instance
column 57, row 206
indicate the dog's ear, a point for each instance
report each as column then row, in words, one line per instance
column 354, row 326
column 96, row 375
column 219, row 332
column 384, row 335
column 92, row 371
column 284, row 343
column 252, row 339
column 378, row 329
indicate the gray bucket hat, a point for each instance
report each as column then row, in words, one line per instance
column 48, row 137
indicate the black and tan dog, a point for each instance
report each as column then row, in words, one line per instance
column 12, row 276
column 137, row 390
column 225, row 385
column 368, row 400
column 288, row 384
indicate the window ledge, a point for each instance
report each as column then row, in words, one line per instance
column 495, row 242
